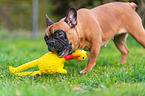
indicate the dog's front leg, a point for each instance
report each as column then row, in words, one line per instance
column 94, row 53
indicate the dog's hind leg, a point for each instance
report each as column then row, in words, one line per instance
column 135, row 28
column 139, row 34
column 119, row 41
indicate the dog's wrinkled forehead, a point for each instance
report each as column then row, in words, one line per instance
column 57, row 26
column 58, row 32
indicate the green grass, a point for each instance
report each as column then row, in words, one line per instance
column 106, row 79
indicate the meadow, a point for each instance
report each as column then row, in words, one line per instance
column 106, row 79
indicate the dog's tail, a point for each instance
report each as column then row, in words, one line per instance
column 133, row 5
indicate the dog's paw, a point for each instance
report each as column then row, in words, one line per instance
column 121, row 63
column 83, row 71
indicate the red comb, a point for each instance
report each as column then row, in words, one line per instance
column 87, row 53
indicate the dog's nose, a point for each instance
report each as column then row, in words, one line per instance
column 51, row 43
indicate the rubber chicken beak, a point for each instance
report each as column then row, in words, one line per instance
column 77, row 54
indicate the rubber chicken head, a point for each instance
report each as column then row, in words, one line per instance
column 80, row 55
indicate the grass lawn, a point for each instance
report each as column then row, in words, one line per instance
column 106, row 79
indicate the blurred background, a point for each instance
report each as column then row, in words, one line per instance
column 26, row 18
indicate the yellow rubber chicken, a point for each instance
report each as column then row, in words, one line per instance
column 49, row 63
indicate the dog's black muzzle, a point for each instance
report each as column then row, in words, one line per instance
column 58, row 42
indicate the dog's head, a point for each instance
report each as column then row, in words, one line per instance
column 61, row 36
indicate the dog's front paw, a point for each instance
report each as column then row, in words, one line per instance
column 83, row 71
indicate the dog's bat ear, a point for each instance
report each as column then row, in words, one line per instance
column 71, row 17
column 48, row 21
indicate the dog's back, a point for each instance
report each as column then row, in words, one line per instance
column 111, row 16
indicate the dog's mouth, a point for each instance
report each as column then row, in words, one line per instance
column 66, row 51
column 63, row 53
column 59, row 43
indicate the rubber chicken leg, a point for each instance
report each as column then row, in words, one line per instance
column 28, row 73
column 24, row 66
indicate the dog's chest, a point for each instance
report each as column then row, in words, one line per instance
column 84, row 45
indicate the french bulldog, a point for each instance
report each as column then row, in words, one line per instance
column 90, row 29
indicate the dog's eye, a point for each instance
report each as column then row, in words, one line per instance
column 60, row 34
